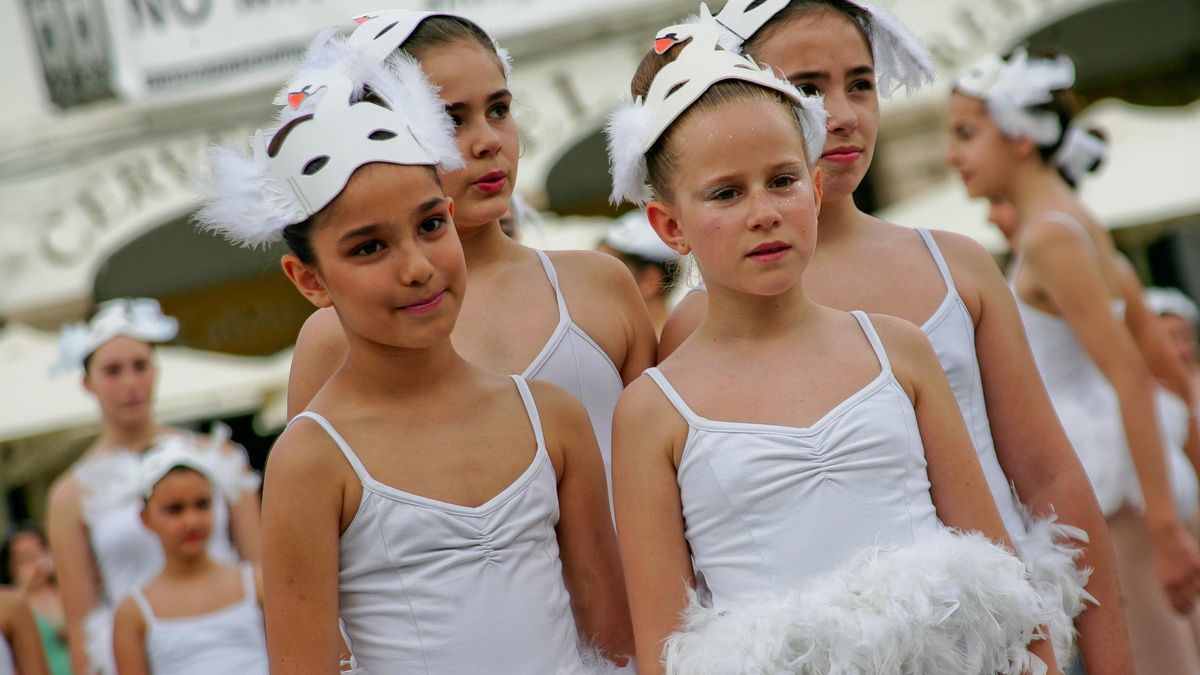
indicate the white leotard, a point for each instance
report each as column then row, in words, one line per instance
column 427, row 586
column 7, row 667
column 128, row 555
column 951, row 331
column 572, row 360
column 225, row 641
column 822, row 543
column 1044, row 545
column 1086, row 403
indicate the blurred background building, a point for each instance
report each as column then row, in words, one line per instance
column 110, row 104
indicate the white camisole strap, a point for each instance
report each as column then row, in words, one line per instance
column 143, row 605
column 250, row 588
column 873, row 337
column 563, row 314
column 936, row 252
column 352, row 458
column 530, row 408
column 673, row 396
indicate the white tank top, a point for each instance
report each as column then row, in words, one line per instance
column 769, row 507
column 1086, row 403
column 227, row 640
column 951, row 331
column 572, row 360
column 427, row 586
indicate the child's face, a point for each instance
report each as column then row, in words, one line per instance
column 121, row 376
column 744, row 200
column 824, row 53
column 179, row 511
column 389, row 258
column 983, row 156
column 478, row 100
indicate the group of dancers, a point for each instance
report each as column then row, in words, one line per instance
column 857, row 448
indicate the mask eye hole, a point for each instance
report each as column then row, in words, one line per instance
column 386, row 29
column 314, row 165
column 676, row 88
column 382, row 135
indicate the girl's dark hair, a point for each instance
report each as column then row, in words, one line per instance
column 438, row 31
column 15, row 531
column 661, row 157
column 798, row 8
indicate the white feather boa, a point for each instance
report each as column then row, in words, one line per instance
column 1051, row 556
column 951, row 604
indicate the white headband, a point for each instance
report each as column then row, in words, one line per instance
column 382, row 33
column 168, row 453
column 635, row 126
column 1012, row 88
column 900, row 59
column 1172, row 301
column 632, row 234
column 1079, row 153
column 141, row 319
column 250, row 200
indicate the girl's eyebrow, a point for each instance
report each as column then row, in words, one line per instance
column 824, row 75
column 495, row 96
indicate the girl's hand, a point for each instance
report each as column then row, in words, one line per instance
column 1177, row 560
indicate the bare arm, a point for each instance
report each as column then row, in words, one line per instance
column 1156, row 349
column 302, row 506
column 1064, row 265
column 129, row 640
column 22, row 634
column 1034, row 451
column 586, row 541
column 320, row 351
column 957, row 485
column 76, row 569
column 683, row 321
column 654, row 551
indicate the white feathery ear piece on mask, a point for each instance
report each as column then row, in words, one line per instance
column 1011, row 89
column 739, row 20
column 356, row 112
column 900, row 58
column 635, row 126
column 1079, row 153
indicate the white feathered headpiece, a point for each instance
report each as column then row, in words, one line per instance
column 900, row 59
column 382, row 33
column 342, row 110
column 635, row 126
column 139, row 318
column 1080, row 153
column 1172, row 301
column 1012, row 89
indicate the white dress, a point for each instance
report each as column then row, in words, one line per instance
column 572, row 360
column 128, row 555
column 225, row 641
column 821, row 552
column 427, row 586
column 1041, row 543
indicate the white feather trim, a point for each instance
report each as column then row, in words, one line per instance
column 239, row 199
column 951, row 604
column 1079, row 152
column 900, row 58
column 628, row 130
column 594, row 662
column 1052, row 560
column 1022, row 84
column 98, row 639
column 506, row 59
column 406, row 85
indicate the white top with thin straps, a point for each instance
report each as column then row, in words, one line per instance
column 1085, row 401
column 951, row 331
column 770, row 507
column 427, row 586
column 572, row 360
column 227, row 640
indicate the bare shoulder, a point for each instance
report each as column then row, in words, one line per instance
column 589, row 266
column 906, row 345
column 321, row 333
column 644, row 406
column 306, row 453
column 555, row 405
column 963, row 253
column 65, row 493
column 10, row 601
column 129, row 614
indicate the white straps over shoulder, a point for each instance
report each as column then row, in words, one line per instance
column 873, row 337
column 938, row 258
column 563, row 314
column 352, row 458
column 530, row 407
column 673, row 396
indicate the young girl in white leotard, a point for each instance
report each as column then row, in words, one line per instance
column 100, row 547
column 572, row 318
column 200, row 615
column 790, row 461
column 851, row 53
column 1008, row 120
column 453, row 519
